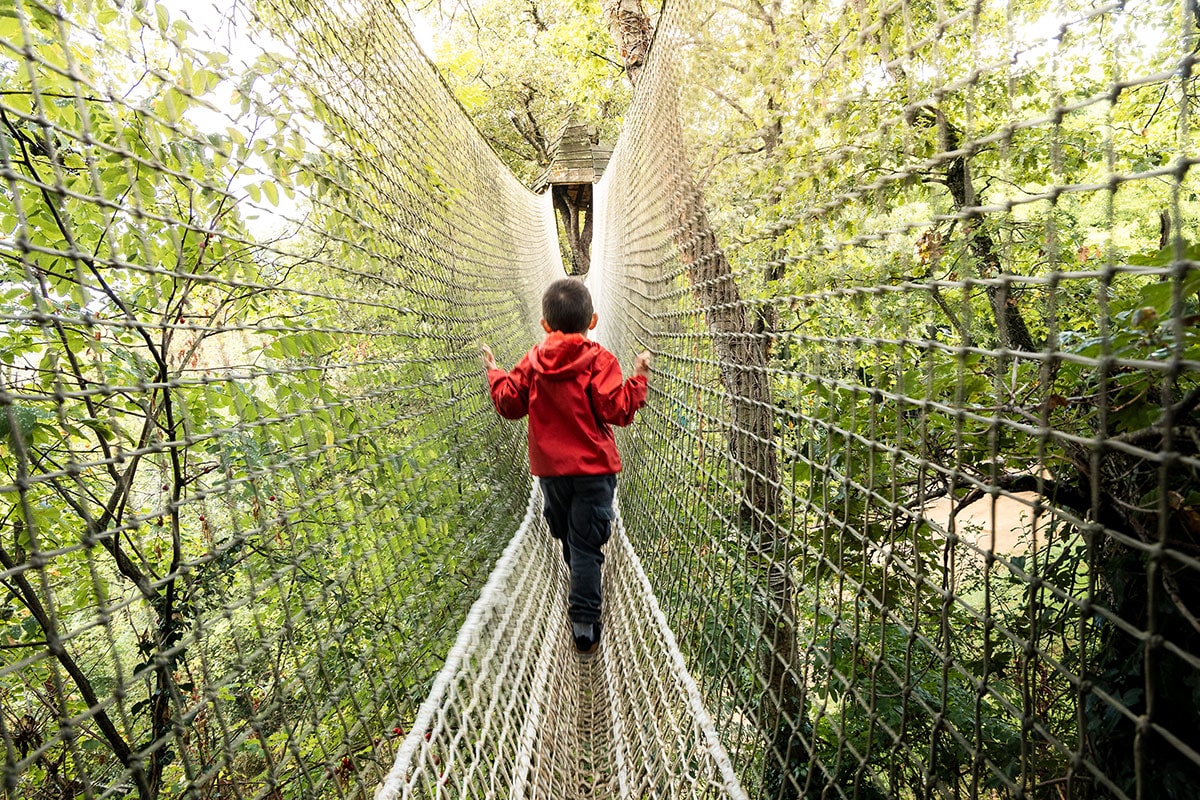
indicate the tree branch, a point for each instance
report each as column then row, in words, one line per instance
column 1053, row 491
column 112, row 736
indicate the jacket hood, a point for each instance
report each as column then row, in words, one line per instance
column 563, row 355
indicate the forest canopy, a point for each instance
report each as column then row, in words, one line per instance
column 523, row 70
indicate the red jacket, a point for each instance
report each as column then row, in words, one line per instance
column 571, row 388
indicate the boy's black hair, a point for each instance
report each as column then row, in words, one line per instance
column 567, row 306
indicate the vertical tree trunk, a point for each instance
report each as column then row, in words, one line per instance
column 1011, row 329
column 631, row 30
column 742, row 357
column 576, row 217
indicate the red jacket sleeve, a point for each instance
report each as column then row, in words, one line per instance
column 615, row 401
column 510, row 390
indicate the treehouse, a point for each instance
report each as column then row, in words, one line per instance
column 576, row 162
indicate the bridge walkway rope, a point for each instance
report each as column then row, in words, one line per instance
column 517, row 709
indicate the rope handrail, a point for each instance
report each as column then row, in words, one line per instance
column 491, row 597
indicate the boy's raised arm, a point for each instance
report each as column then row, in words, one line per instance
column 510, row 390
column 617, row 401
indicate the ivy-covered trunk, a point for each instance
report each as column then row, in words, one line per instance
column 1145, row 642
column 742, row 359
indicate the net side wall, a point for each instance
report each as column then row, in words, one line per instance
column 245, row 439
column 949, row 552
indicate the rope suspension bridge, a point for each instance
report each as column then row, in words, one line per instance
column 912, row 510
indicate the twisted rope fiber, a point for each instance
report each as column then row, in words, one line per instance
column 514, row 650
column 491, row 598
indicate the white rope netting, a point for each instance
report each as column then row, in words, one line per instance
column 251, row 479
column 517, row 712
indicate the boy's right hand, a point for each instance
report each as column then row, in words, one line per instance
column 641, row 364
column 489, row 360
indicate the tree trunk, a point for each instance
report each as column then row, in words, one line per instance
column 631, row 30
column 575, row 213
column 742, row 357
column 1011, row 329
column 1010, row 325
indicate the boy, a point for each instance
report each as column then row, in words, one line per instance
column 572, row 390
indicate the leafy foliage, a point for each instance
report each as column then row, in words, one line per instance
column 242, row 444
column 522, row 72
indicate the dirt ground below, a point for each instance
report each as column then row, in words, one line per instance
column 1004, row 526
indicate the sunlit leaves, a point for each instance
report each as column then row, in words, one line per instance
column 522, row 73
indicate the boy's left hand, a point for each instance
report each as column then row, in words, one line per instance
column 489, row 360
column 641, row 364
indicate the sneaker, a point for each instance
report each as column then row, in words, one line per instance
column 587, row 636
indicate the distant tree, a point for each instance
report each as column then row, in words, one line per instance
column 523, row 69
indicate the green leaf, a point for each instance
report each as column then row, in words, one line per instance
column 102, row 429
column 30, row 627
column 1166, row 256
column 83, row 596
column 10, row 27
column 24, row 417
column 1159, row 296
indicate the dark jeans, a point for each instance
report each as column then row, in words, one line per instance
column 579, row 511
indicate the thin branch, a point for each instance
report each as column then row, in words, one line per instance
column 537, row 19
column 60, row 96
column 1051, row 490
column 1172, row 587
column 732, row 103
column 936, row 294
column 603, row 57
column 1162, row 97
column 112, row 736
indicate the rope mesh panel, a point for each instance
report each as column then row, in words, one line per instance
column 517, row 712
column 916, row 482
column 245, row 441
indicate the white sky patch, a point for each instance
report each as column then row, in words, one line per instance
column 1035, row 41
column 221, row 27
column 426, row 34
